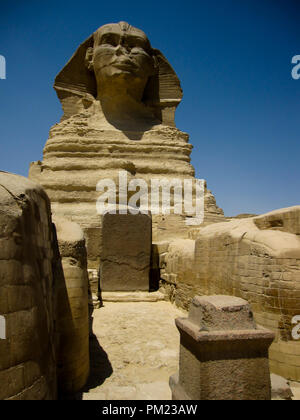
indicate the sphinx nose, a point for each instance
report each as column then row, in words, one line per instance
column 121, row 49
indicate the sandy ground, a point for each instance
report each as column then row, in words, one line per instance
column 134, row 351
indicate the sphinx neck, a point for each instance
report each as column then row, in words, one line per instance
column 124, row 108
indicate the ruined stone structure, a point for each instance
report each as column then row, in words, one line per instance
column 257, row 259
column 27, row 355
column 43, row 297
column 72, row 309
column 223, row 353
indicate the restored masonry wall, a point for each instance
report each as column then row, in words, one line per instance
column 73, row 364
column 27, row 355
column 261, row 265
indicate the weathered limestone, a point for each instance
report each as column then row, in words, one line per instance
column 281, row 389
column 284, row 220
column 27, row 355
column 261, row 266
column 223, row 354
column 119, row 97
column 94, row 286
column 125, row 252
column 72, row 309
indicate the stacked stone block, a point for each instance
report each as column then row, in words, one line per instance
column 72, row 309
column 27, row 355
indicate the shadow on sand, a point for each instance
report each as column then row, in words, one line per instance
column 100, row 368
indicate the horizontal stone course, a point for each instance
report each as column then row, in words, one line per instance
column 27, row 359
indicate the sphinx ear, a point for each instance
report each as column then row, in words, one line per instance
column 155, row 59
column 89, row 59
column 163, row 91
column 75, row 80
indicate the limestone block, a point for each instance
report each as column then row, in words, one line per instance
column 93, row 244
column 72, row 308
column 94, row 281
column 285, row 220
column 27, row 291
column 126, row 252
column 217, row 360
column 225, row 312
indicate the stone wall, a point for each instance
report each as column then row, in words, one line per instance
column 261, row 266
column 27, row 355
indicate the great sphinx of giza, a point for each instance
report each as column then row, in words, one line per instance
column 119, row 97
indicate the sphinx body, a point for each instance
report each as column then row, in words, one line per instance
column 119, row 97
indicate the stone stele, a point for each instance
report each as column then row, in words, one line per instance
column 119, row 97
column 125, row 252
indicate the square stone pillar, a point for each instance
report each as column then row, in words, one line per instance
column 125, row 252
column 223, row 354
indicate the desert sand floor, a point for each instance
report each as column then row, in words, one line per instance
column 134, row 350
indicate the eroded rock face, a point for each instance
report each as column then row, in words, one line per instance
column 27, row 355
column 119, row 97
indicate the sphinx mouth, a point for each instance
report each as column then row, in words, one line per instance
column 124, row 64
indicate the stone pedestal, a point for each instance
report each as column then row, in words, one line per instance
column 125, row 252
column 223, row 354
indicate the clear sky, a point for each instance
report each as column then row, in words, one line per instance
column 233, row 57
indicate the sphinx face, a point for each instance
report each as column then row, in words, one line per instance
column 122, row 52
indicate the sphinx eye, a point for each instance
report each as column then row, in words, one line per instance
column 136, row 43
column 109, row 40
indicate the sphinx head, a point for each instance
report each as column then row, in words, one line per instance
column 121, row 56
column 118, row 60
